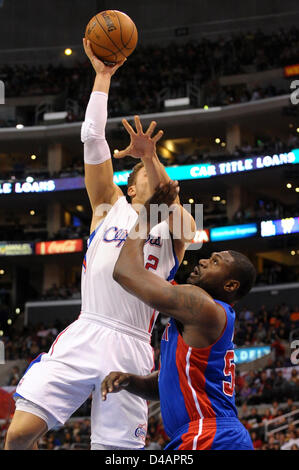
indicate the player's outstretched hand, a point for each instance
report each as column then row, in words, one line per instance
column 113, row 383
column 97, row 64
column 142, row 144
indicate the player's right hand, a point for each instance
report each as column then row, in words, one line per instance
column 113, row 383
column 97, row 64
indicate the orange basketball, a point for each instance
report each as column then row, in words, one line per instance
column 113, row 35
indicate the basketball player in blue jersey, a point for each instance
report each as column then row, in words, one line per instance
column 196, row 381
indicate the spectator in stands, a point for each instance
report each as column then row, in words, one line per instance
column 14, row 376
column 256, row 441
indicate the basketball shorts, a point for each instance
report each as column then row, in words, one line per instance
column 212, row 434
column 81, row 356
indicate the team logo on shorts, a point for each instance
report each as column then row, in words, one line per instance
column 141, row 431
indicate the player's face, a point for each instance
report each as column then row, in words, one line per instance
column 210, row 274
column 142, row 189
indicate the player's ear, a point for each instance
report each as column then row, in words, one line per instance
column 131, row 191
column 232, row 285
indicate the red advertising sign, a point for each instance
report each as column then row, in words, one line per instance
column 58, row 247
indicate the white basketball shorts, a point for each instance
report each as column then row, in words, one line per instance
column 81, row 356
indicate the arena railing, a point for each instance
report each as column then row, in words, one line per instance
column 167, row 118
column 270, row 422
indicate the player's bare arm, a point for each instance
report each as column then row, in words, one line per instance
column 145, row 387
column 157, row 174
column 97, row 159
column 190, row 305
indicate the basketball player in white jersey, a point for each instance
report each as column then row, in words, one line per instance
column 113, row 330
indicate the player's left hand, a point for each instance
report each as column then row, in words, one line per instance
column 142, row 144
column 113, row 383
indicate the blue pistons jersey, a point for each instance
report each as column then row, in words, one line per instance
column 197, row 391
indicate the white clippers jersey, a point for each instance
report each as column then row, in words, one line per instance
column 100, row 293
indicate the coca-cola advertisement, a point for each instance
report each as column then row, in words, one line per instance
column 58, row 247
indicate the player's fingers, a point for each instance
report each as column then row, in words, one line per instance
column 128, row 127
column 157, row 137
column 110, row 382
column 89, row 50
column 122, row 381
column 117, row 65
column 151, row 128
column 138, row 125
column 104, row 389
column 121, row 153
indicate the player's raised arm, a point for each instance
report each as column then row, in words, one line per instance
column 97, row 157
column 189, row 304
column 157, row 174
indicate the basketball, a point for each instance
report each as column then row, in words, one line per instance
column 113, row 35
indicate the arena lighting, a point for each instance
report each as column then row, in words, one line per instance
column 1, row 332
column 297, row 190
column 217, row 140
column 223, row 201
column 293, row 253
column 2, row 272
column 223, row 144
column 29, row 179
column 18, row 311
column 9, row 321
column 68, row 51
column 185, row 262
column 177, row 102
column 216, row 198
column 32, row 212
column 58, row 116
column 20, row 126
column 289, row 185
column 191, row 201
column 33, row 157
column 291, row 70
column 206, row 106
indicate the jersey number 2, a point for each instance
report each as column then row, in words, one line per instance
column 229, row 370
column 154, row 263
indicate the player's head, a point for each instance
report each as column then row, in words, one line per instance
column 138, row 186
column 226, row 275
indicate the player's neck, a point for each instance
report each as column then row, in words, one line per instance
column 136, row 204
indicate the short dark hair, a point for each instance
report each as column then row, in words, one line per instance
column 133, row 174
column 243, row 271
